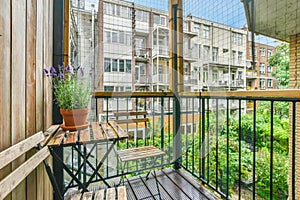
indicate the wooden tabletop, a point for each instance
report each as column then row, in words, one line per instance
column 94, row 133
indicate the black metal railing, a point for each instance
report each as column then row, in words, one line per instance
column 236, row 143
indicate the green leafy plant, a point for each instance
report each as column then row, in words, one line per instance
column 71, row 89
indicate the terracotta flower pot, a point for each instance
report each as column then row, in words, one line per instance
column 74, row 119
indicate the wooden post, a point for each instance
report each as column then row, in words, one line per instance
column 66, row 31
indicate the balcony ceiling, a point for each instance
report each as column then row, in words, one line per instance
column 274, row 18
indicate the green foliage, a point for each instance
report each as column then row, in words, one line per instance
column 281, row 61
column 71, row 89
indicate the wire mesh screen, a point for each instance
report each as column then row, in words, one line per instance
column 126, row 47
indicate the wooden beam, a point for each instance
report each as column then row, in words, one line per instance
column 66, row 31
column 10, row 154
column 17, row 176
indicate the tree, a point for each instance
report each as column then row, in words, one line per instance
column 281, row 60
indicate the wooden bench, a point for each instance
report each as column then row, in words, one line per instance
column 38, row 140
column 104, row 194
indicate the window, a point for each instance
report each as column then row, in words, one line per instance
column 107, row 36
column 108, row 88
column 107, row 9
column 205, row 76
column 197, row 28
column 128, row 66
column 269, row 69
column 124, row 12
column 240, row 75
column 141, row 16
column 205, row 52
column 121, row 66
column 215, row 54
column 262, row 51
column 121, row 37
column 214, row 76
column 115, row 65
column 160, row 20
column 142, row 69
column 163, row 20
column 237, row 38
column 233, row 57
column 205, row 31
column 114, row 38
column 262, row 83
column 269, row 53
column 107, row 65
column 185, row 26
column 240, row 57
column 127, row 89
column 156, row 19
column 262, row 68
column 118, row 10
column 128, row 39
column 270, row 83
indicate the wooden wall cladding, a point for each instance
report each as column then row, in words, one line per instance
column 25, row 97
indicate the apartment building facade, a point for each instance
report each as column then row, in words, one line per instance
column 260, row 76
column 131, row 50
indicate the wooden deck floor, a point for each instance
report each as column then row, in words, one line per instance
column 173, row 185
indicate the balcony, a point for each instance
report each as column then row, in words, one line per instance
column 142, row 55
column 190, row 79
column 251, row 74
column 190, row 55
column 160, row 79
column 160, row 51
column 212, row 152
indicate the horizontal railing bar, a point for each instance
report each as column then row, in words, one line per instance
column 282, row 94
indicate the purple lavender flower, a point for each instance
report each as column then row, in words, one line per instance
column 46, row 72
column 62, row 76
column 52, row 71
column 68, row 69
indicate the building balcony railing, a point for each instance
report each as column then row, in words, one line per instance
column 142, row 55
column 162, row 51
column 220, row 143
column 160, row 79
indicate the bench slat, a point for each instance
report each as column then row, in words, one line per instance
column 119, row 114
column 99, row 195
column 17, row 176
column 122, row 193
column 57, row 138
column 85, row 135
column 134, row 120
column 71, row 138
column 76, row 196
column 87, row 196
column 111, row 193
column 10, row 154
column 98, row 133
column 118, row 130
column 49, row 134
column 139, row 153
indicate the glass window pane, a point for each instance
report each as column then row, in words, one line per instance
column 128, row 66
column 121, row 65
column 115, row 65
column 107, row 65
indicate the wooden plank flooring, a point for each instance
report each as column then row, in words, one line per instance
column 173, row 185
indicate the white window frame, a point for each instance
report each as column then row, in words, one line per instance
column 262, row 51
column 262, row 68
column 270, row 83
column 206, row 30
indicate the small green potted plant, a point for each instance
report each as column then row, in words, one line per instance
column 72, row 93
